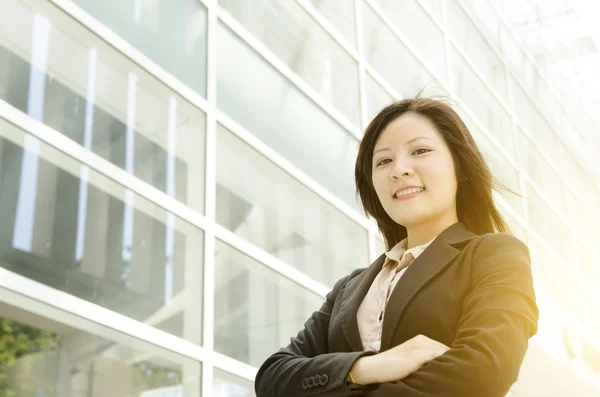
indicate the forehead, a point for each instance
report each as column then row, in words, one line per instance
column 406, row 127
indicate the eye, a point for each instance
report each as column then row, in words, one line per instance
column 421, row 151
column 382, row 162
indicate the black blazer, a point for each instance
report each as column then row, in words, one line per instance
column 472, row 293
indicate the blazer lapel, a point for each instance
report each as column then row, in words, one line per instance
column 353, row 294
column 430, row 263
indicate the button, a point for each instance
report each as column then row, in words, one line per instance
column 305, row 384
column 324, row 379
column 311, row 382
column 317, row 380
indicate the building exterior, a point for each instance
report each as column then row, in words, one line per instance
column 176, row 181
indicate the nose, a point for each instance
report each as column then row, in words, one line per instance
column 401, row 169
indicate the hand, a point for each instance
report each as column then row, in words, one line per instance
column 397, row 363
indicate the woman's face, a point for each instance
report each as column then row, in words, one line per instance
column 413, row 172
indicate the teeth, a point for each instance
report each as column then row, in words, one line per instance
column 409, row 191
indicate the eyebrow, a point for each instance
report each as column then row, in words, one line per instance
column 407, row 142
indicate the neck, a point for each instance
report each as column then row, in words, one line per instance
column 423, row 233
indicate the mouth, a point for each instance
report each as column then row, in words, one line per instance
column 408, row 193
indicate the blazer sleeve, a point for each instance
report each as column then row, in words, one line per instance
column 304, row 367
column 499, row 316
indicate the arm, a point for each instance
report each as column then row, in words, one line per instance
column 499, row 316
column 285, row 372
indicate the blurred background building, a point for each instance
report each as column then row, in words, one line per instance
column 176, row 177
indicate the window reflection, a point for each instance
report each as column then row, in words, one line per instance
column 403, row 70
column 228, row 385
column 263, row 204
column 274, row 110
column 303, row 45
column 256, row 309
column 422, row 33
column 61, row 74
column 108, row 245
column 153, row 27
column 56, row 359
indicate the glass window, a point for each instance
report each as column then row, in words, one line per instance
column 435, row 8
column 386, row 53
column 153, row 27
column 476, row 48
column 52, row 358
column 586, row 227
column 379, row 246
column 265, row 205
column 274, row 110
column 477, row 97
column 228, row 385
column 377, row 97
column 341, row 14
column 77, row 231
column 485, row 15
column 584, row 187
column 256, row 309
column 424, row 35
column 61, row 74
column 556, row 280
column 304, row 46
column 499, row 166
column 548, row 225
column 538, row 169
column 537, row 125
column 589, row 266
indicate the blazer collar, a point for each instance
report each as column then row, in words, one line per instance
column 429, row 264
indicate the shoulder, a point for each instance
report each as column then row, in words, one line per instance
column 501, row 245
column 499, row 253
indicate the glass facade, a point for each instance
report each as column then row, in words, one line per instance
column 177, row 179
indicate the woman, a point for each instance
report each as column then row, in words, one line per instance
column 449, row 309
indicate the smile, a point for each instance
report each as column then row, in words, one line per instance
column 408, row 193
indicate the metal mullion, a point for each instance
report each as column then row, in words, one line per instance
column 502, row 58
column 208, row 328
column 287, row 72
column 150, row 193
column 291, row 169
column 400, row 36
column 43, row 300
column 329, row 29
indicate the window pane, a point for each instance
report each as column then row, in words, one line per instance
column 499, row 166
column 59, row 73
column 58, row 359
column 548, row 225
column 304, row 46
column 153, row 27
column 265, row 205
column 404, row 72
column 377, row 97
column 538, row 169
column 435, row 8
column 341, row 15
column 274, row 110
column 73, row 229
column 379, row 247
column 531, row 119
column 422, row 33
column 228, row 385
column 256, row 310
column 556, row 280
column 585, row 188
column 472, row 91
column 476, row 48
